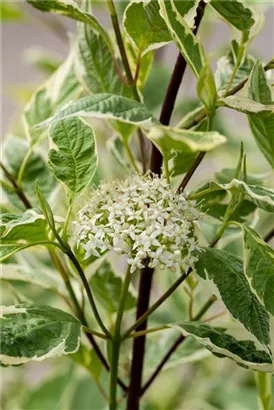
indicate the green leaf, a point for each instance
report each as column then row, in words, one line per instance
column 145, row 27
column 222, row 344
column 94, row 64
column 86, row 396
column 182, row 34
column 43, row 60
column 14, row 151
column 73, row 160
column 89, row 360
column 182, row 162
column 259, row 267
column 10, row 11
column 33, row 332
column 107, row 286
column 61, row 87
column 262, row 125
column 157, row 346
column 226, row 175
column 225, row 66
column 262, row 197
column 224, row 273
column 109, row 107
column 19, row 231
column 51, row 393
column 70, row 9
column 206, row 89
column 168, row 139
column 45, row 207
column 39, row 276
column 234, row 12
column 245, row 105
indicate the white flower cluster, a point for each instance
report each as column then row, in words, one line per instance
column 143, row 218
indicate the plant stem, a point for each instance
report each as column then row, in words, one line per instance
column 151, row 379
column 142, row 144
column 191, row 171
column 80, row 271
column 269, row 236
column 138, row 354
column 264, row 389
column 158, row 303
column 131, row 81
column 147, row 331
column 176, row 344
column 23, row 167
column 116, row 342
column 166, row 169
column 65, row 228
column 81, row 316
column 237, row 63
column 172, row 91
column 131, row 157
column 93, row 332
column 14, row 183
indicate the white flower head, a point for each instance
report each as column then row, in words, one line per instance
column 143, row 218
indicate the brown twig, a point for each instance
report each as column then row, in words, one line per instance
column 18, row 189
column 172, row 92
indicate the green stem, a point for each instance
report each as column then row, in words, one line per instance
column 131, row 157
column 116, row 343
column 65, row 229
column 157, row 303
column 237, row 64
column 93, row 332
column 7, row 186
column 166, row 169
column 205, row 308
column 80, row 271
column 264, row 389
column 23, row 167
column 121, row 46
column 147, row 331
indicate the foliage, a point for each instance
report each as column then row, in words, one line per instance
column 95, row 119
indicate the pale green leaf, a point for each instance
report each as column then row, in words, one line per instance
column 259, row 267
column 182, row 34
column 234, row 12
column 107, row 287
column 145, row 27
column 33, row 332
column 182, row 162
column 245, row 105
column 225, row 66
column 19, row 231
column 61, row 87
column 225, row 275
column 157, row 346
column 262, row 197
column 94, row 64
column 109, row 107
column 168, row 139
column 10, row 11
column 226, row 175
column 262, row 124
column 206, row 88
column 14, row 151
column 73, row 159
column 70, row 9
column 222, row 344
column 40, row 276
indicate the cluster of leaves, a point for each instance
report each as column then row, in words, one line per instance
column 91, row 84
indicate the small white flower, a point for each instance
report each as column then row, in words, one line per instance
column 143, row 218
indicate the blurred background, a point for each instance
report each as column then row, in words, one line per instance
column 32, row 46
